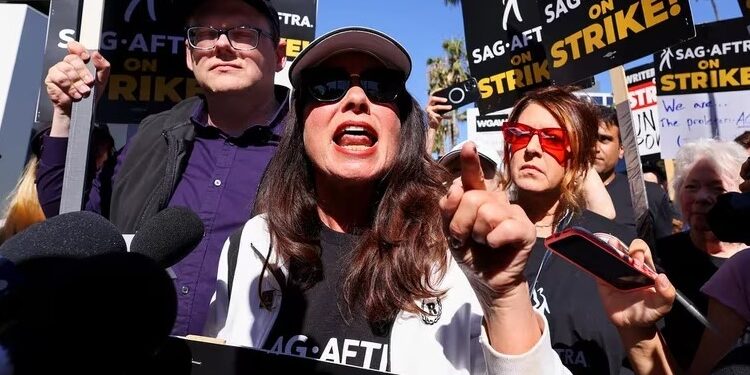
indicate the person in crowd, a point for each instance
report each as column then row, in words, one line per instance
column 654, row 173
column 636, row 314
column 595, row 194
column 488, row 158
column 744, row 140
column 437, row 108
column 207, row 153
column 348, row 261
column 23, row 205
column 549, row 141
column 728, row 291
column 608, row 152
column 703, row 170
column 23, row 208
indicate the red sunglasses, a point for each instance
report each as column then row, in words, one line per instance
column 554, row 141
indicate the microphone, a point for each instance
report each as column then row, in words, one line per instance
column 168, row 236
column 108, row 313
column 84, row 305
column 74, row 235
column 729, row 219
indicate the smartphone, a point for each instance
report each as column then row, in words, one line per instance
column 593, row 254
column 460, row 94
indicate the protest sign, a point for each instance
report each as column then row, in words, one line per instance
column 144, row 41
column 503, row 45
column 486, row 129
column 643, row 107
column 584, row 38
column 704, row 86
column 297, row 20
column 62, row 26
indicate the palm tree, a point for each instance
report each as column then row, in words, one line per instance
column 442, row 72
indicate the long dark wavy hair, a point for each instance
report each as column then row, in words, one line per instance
column 398, row 255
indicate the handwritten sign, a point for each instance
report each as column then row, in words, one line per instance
column 644, row 108
column 683, row 118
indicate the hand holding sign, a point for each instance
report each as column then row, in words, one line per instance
column 69, row 81
column 493, row 238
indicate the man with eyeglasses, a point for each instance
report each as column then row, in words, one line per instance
column 207, row 153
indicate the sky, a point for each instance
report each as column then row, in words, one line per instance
column 422, row 25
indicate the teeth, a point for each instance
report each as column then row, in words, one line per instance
column 354, row 129
column 356, row 147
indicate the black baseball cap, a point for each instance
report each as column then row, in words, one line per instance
column 354, row 38
column 263, row 6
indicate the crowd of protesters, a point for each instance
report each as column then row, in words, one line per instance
column 330, row 229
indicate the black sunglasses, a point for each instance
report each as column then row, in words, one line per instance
column 331, row 84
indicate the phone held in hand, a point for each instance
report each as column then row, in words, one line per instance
column 460, row 94
column 593, row 254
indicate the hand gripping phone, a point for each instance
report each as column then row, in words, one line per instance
column 593, row 254
column 461, row 93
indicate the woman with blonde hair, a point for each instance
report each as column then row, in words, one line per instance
column 23, row 204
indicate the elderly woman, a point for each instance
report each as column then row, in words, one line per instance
column 703, row 170
column 348, row 262
column 550, row 137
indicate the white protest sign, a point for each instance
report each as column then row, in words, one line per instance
column 644, row 109
column 486, row 129
column 722, row 115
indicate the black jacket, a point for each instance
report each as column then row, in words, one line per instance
column 155, row 159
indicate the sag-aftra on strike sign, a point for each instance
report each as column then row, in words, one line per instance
column 583, row 38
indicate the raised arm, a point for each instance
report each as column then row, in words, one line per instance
column 635, row 314
column 492, row 239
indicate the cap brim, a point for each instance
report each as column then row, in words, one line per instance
column 452, row 156
column 359, row 39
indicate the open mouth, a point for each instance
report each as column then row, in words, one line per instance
column 355, row 137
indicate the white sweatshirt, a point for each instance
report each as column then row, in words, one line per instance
column 456, row 344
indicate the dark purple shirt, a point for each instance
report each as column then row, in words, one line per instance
column 219, row 184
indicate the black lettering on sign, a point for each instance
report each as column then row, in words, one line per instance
column 582, row 39
column 714, row 61
column 491, row 123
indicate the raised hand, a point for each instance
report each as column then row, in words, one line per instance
column 638, row 308
column 69, row 81
column 492, row 238
column 436, row 108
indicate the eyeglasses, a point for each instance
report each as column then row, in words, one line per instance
column 554, row 141
column 330, row 85
column 241, row 38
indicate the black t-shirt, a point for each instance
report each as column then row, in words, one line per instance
column 580, row 331
column 310, row 323
column 688, row 268
column 658, row 204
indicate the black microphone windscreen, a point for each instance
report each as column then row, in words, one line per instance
column 72, row 235
column 169, row 236
column 729, row 219
column 111, row 311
